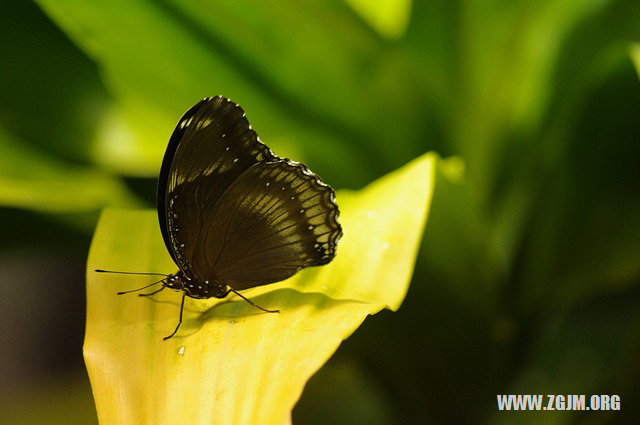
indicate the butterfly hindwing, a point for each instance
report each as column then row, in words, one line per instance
column 276, row 218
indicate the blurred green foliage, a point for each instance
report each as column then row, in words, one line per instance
column 529, row 277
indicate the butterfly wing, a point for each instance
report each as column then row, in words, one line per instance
column 274, row 219
column 212, row 145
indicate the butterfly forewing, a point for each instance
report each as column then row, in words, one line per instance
column 276, row 218
column 212, row 145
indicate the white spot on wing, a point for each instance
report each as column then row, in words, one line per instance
column 204, row 123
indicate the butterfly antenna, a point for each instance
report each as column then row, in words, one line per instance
column 252, row 303
column 140, row 289
column 147, row 274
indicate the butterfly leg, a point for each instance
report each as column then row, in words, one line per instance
column 179, row 321
column 151, row 293
column 252, row 303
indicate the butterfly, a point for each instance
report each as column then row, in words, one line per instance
column 234, row 215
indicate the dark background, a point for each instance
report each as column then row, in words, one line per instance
column 528, row 277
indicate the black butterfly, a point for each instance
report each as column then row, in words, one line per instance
column 234, row 215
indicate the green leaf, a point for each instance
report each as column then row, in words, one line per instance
column 388, row 17
column 32, row 179
column 634, row 51
column 50, row 100
column 258, row 54
column 230, row 363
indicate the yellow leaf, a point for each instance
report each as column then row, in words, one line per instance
column 231, row 363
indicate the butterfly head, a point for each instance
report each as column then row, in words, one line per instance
column 174, row 281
